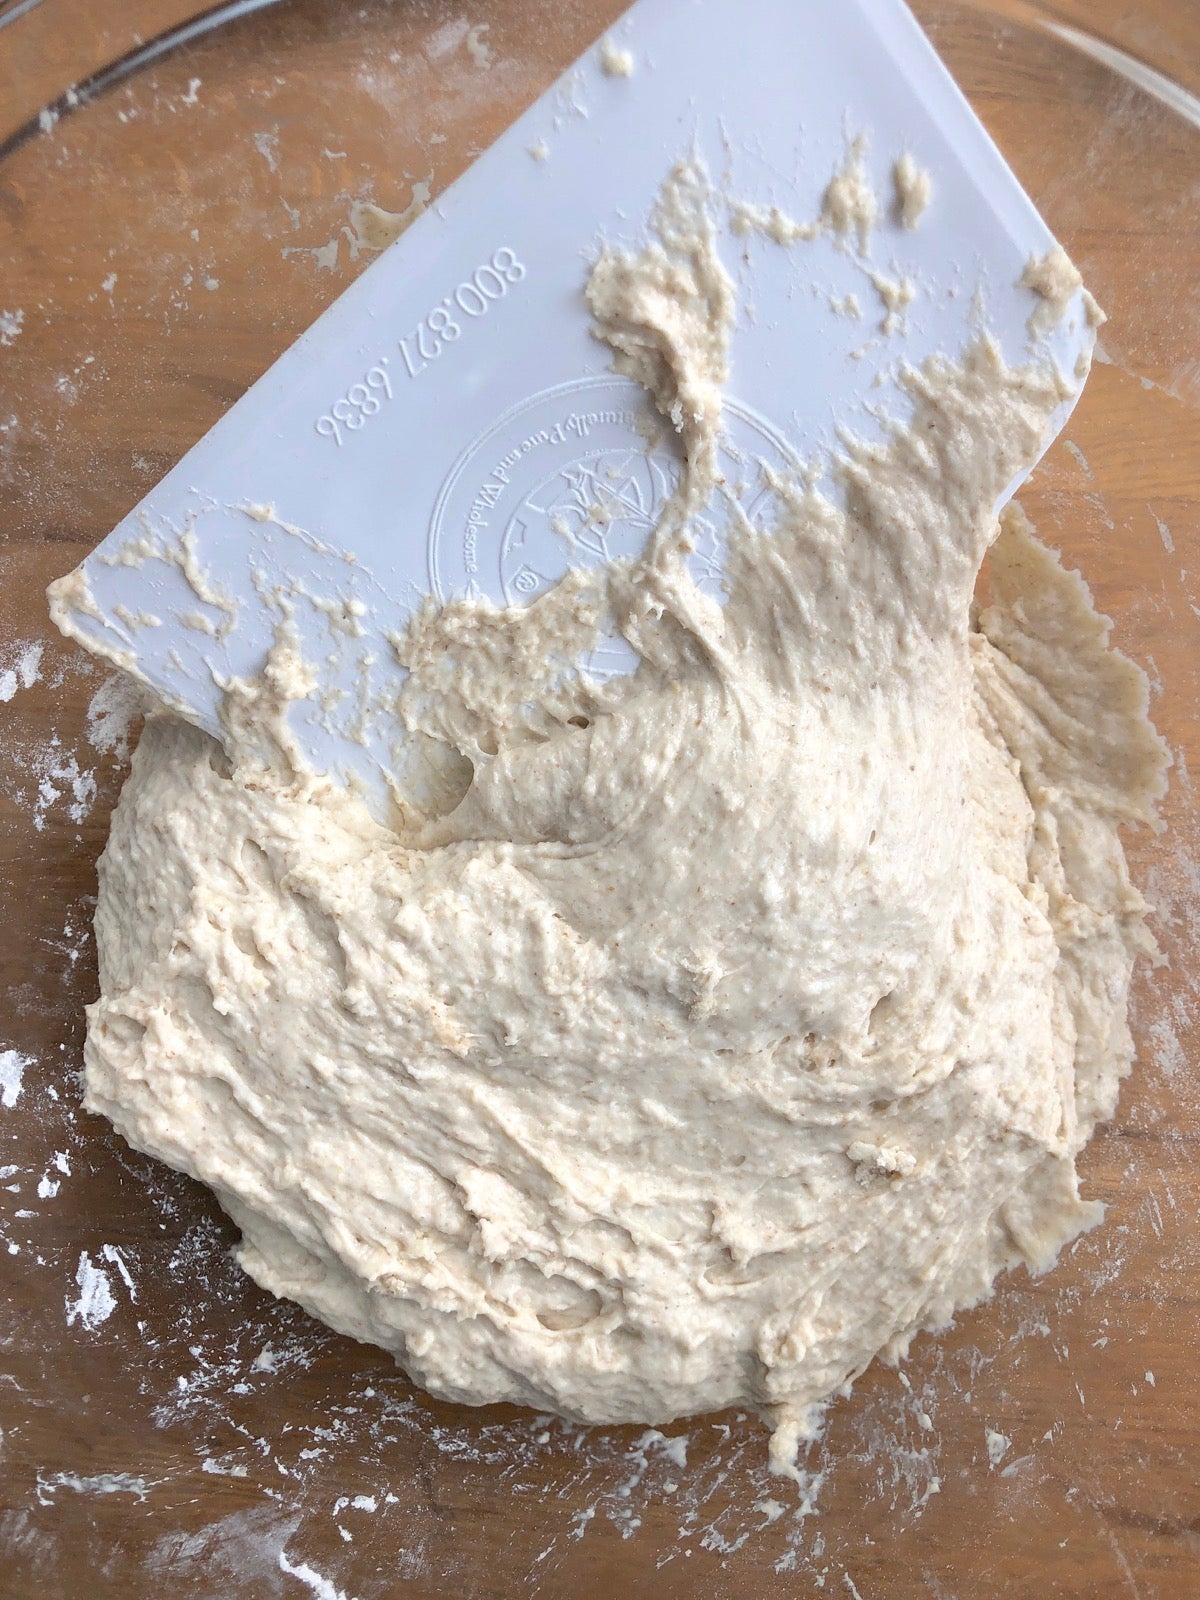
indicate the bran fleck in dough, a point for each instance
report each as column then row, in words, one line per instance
column 748, row 1014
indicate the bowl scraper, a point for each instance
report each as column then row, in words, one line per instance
column 432, row 430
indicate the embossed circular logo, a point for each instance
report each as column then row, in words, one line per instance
column 566, row 479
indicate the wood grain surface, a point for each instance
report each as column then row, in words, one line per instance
column 167, row 1429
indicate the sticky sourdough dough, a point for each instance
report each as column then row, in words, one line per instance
column 746, row 1015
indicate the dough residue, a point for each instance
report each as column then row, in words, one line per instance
column 849, row 205
column 615, row 61
column 374, row 228
column 914, row 189
column 771, row 222
column 478, row 48
column 897, row 294
column 849, row 208
column 732, row 1021
column 1054, row 278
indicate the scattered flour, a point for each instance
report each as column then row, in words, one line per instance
column 267, row 145
column 48, row 1187
column 446, row 39
column 58, row 777
column 113, row 1255
column 998, row 1446
column 478, row 48
column 99, row 1483
column 12, row 1076
column 21, row 668
column 96, row 1302
column 321, row 1587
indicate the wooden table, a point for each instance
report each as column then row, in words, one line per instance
column 170, row 1430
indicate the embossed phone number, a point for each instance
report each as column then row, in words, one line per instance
column 441, row 327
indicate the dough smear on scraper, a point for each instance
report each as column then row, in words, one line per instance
column 748, row 1013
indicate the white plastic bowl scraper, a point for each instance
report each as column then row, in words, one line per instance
column 429, row 433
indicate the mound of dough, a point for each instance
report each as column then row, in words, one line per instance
column 748, row 1014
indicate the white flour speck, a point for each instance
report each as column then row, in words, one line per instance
column 997, row 1446
column 96, row 1303
column 480, row 50
column 321, row 1587
column 267, row 145
column 448, row 37
column 114, row 1256
column 249, row 1542
column 97, row 1483
column 1164, row 533
column 62, row 778
column 11, row 323
column 111, row 714
column 21, row 669
column 12, row 1076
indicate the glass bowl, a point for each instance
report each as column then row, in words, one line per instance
column 176, row 195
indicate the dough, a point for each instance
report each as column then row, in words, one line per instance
column 615, row 61
column 914, row 189
column 1055, row 279
column 849, row 206
column 747, row 1014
